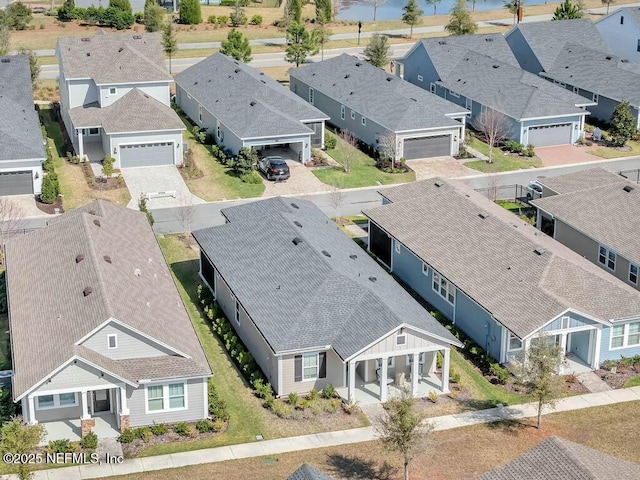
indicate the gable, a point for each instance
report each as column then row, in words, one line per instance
column 76, row 375
column 413, row 340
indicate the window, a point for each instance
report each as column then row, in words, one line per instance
column 176, row 395
column 420, row 78
column 432, row 88
column 364, row 121
column 607, row 258
column 342, row 112
column 309, row 366
column 353, row 115
column 576, row 90
column 311, row 92
column 397, row 246
column 94, row 131
column 633, row 273
column 112, row 341
column 63, row 400
column 634, row 334
column 564, row 322
column 420, row 359
column 425, row 269
column 454, row 94
column 444, row 288
column 514, row 343
column 113, row 90
column 401, row 339
column 166, row 397
column 237, row 312
column 627, row 335
column 46, row 401
column 468, row 104
column 200, row 113
column 595, row 97
column 68, row 400
column 155, row 398
column 219, row 132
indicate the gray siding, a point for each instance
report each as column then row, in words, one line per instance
column 575, row 321
column 129, row 344
column 419, row 63
column 77, row 376
column 478, row 324
column 195, row 405
column 335, row 369
column 53, row 414
column 523, row 52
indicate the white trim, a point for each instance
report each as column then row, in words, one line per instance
column 342, row 112
column 625, row 336
column 636, row 274
column 577, row 312
column 607, row 258
column 311, row 95
column 396, row 246
column 280, row 381
column 165, row 397
column 147, row 381
column 450, row 286
column 115, row 341
column 364, row 121
column 432, row 88
column 236, row 311
column 205, row 388
column 425, row 269
column 453, row 94
column 420, row 78
column 56, row 401
column 114, row 92
column 400, row 336
column 397, row 353
column 353, row 114
column 511, row 335
column 596, row 98
column 317, row 366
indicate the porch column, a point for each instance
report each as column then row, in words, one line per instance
column 80, row 144
column 322, row 136
column 85, row 405
column 415, row 372
column 86, row 422
column 31, row 411
column 352, row 381
column 124, row 420
column 445, row 370
column 383, row 378
column 431, row 367
column 596, row 349
column 563, row 343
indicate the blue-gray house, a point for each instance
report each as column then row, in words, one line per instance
column 499, row 279
column 481, row 74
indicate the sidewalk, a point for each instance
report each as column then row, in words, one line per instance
column 322, row 440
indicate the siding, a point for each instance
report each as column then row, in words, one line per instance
column 621, row 39
column 575, row 321
column 419, row 63
column 160, row 91
column 523, row 52
column 77, row 376
column 130, row 344
column 580, row 344
column 478, row 324
column 607, row 354
column 388, row 345
column 335, row 368
column 195, row 405
column 81, row 92
column 53, row 414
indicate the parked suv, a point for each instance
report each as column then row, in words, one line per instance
column 274, row 168
column 534, row 190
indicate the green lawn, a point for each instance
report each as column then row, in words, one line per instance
column 633, row 382
column 363, row 170
column 501, row 162
column 608, row 152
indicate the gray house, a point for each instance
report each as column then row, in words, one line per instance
column 106, row 343
column 242, row 107
column 573, row 55
column 21, row 143
column 315, row 309
column 590, row 213
column 114, row 99
column 621, row 32
column 480, row 73
column 379, row 108
column 136, row 5
column 499, row 279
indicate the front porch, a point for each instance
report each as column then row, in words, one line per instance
column 106, row 426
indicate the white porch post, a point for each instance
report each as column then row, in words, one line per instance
column 563, row 343
column 31, row 411
column 596, row 348
column 322, row 135
column 85, row 405
column 445, row 370
column 352, row 381
column 383, row 378
column 415, row 372
column 80, row 144
column 124, row 409
column 432, row 363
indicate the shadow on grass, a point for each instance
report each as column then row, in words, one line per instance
column 359, row 469
column 510, row 427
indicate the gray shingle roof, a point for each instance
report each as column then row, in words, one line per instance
column 547, row 39
column 493, row 260
column 305, row 472
column 413, row 190
column 385, row 99
column 47, row 325
column 559, row 459
column 580, row 180
column 245, row 100
column 298, row 296
column 134, row 112
column 110, row 58
column 20, row 133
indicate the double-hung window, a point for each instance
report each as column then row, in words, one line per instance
column 607, row 258
column 627, row 335
column 311, row 93
column 200, row 113
column 633, row 273
column 62, row 400
column 166, row 397
column 444, row 288
column 595, row 97
column 155, row 398
column 310, row 366
column 342, row 110
column 514, row 343
column 176, row 395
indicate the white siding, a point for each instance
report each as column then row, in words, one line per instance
column 129, row 344
column 159, row 91
column 81, row 92
column 77, row 375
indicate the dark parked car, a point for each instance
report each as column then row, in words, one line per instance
column 274, row 168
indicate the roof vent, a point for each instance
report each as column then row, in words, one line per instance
column 120, row 49
column 496, row 66
column 488, row 39
column 87, row 291
column 137, row 272
column 148, row 304
column 85, row 39
column 627, row 188
column 263, row 82
column 389, row 79
column 347, row 76
column 137, row 37
column 483, row 215
column 79, row 258
column 253, row 104
column 297, row 240
column 411, row 98
column 294, row 205
column 195, row 83
column 539, row 251
column 358, row 64
column 237, row 70
column 373, row 279
column 608, row 57
column 261, row 73
column 442, row 42
column 92, row 212
column 107, row 259
column 625, row 60
column 297, row 223
column 88, row 54
column 326, row 254
column 6, row 60
column 353, row 256
column 438, row 183
column 96, row 222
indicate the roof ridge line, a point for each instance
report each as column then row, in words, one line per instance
column 558, row 442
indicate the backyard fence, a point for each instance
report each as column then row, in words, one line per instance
column 631, row 175
column 514, row 192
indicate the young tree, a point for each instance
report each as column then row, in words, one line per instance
column 153, row 16
column 623, row 125
column 411, row 15
column 122, row 5
column 460, row 22
column 336, row 197
column 12, row 222
column 402, row 429
column 321, row 35
column 388, row 148
column 352, row 141
column 238, row 17
column 608, row 4
column 435, row 5
column 513, row 6
column 107, row 166
column 190, row 12
column 539, row 372
column 34, row 66
column 300, row 44
column 67, row 11
column 19, row 437
column 377, row 51
column 5, row 39
column 185, row 214
column 494, row 126
column 295, row 10
column 17, row 16
column 324, row 11
column 236, row 46
column 169, row 41
column 376, row 4
column 567, row 11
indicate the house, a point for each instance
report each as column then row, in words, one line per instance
column 99, row 334
column 499, row 279
column 242, row 107
column 573, row 54
column 21, row 143
column 590, row 212
column 305, row 472
column 621, row 32
column 137, row 6
column 379, row 108
column 480, row 74
column 557, row 457
column 314, row 309
column 115, row 99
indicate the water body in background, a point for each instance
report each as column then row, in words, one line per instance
column 362, row 10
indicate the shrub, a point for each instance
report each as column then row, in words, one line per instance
column 454, row 377
column 252, row 178
column 330, row 140
column 222, row 20
column 513, row 146
column 142, row 206
column 183, row 429
column 281, row 409
column 217, row 406
column 331, row 406
column 127, row 436
column 17, row 16
column 190, row 12
column 581, row 140
column 313, row 395
column 89, row 441
column 67, row 11
column 454, row 394
column 529, row 152
column 328, row 391
column 501, row 373
column 351, row 407
column 218, row 425
column 433, row 396
column 107, row 166
column 143, row 433
column 122, row 5
column 139, row 17
column 62, row 446
column 256, row 20
column 48, row 194
column 159, row 429
column 294, row 399
column 205, row 426
column 211, row 19
column 199, row 134
column 588, row 143
column 438, row 360
column 118, row 19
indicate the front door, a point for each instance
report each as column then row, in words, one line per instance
column 101, row 401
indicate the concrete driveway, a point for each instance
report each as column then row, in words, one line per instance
column 301, row 182
column 566, row 155
column 154, row 180
column 447, row 167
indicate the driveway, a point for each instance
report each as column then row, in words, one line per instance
column 566, row 155
column 145, row 180
column 447, row 167
column 301, row 182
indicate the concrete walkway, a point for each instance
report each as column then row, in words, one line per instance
column 322, row 440
column 592, row 382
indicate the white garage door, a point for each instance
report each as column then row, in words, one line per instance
column 426, row 147
column 16, row 183
column 550, row 135
column 146, row 154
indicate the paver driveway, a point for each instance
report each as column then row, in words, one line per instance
column 144, row 180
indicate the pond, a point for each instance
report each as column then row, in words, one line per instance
column 362, row 10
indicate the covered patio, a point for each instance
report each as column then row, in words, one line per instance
column 106, row 427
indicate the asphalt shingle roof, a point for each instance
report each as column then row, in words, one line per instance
column 305, row 472
column 20, row 133
column 559, row 459
column 111, row 58
column 245, row 100
column 580, row 180
column 324, row 291
column 131, row 282
column 384, row 99
column 494, row 261
column 134, row 112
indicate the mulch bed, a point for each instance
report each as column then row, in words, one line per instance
column 102, row 183
column 192, row 174
column 51, row 208
column 618, row 379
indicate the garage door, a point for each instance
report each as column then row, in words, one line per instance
column 146, row 155
column 425, row 147
column 16, row 183
column 550, row 135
